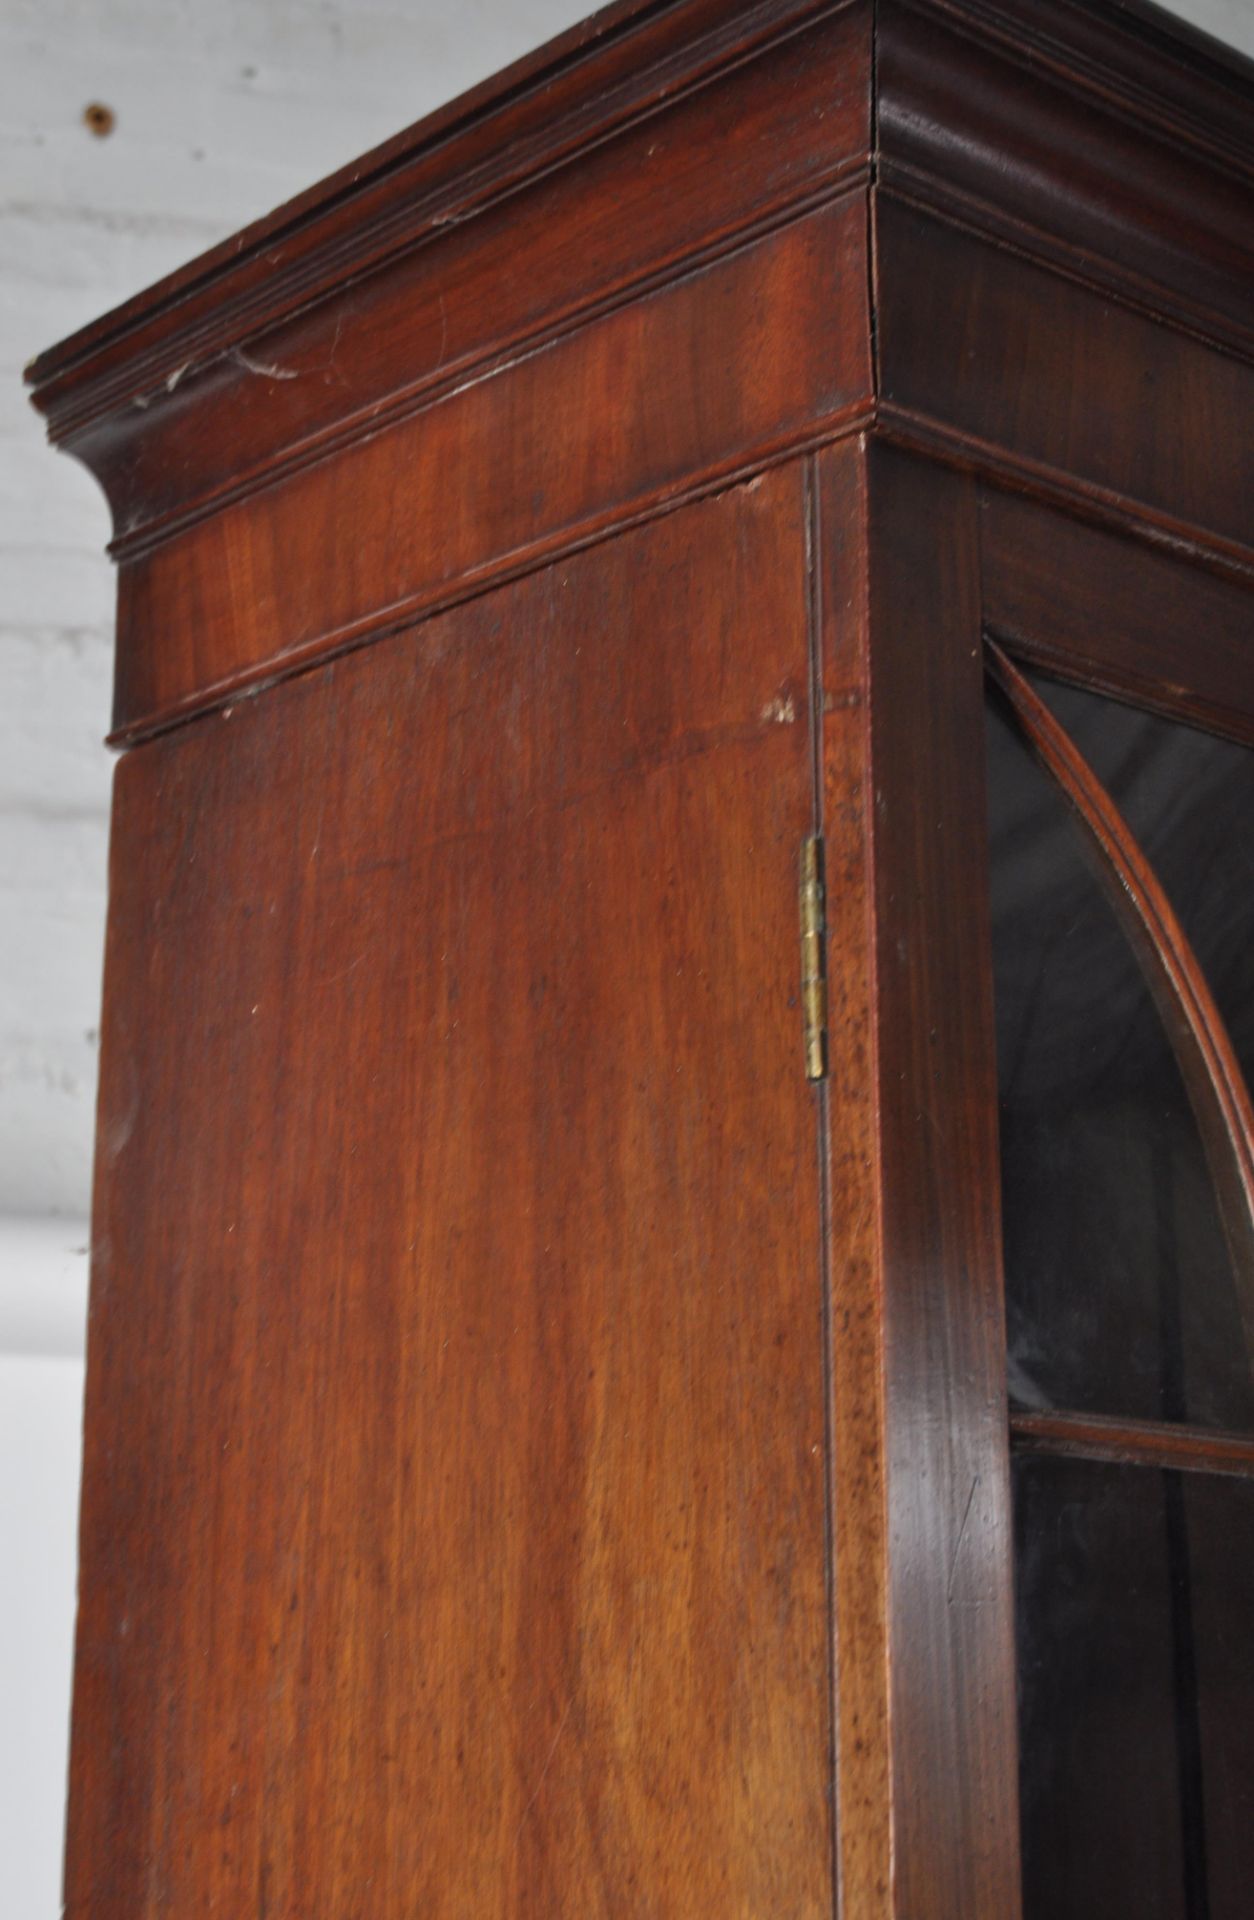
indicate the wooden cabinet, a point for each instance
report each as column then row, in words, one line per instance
column 550, row 1425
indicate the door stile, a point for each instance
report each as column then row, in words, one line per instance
column 852, row 1199
column 819, row 1066
column 927, row 1755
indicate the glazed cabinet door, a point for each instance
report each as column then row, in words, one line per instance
column 453, row 1530
column 1040, row 732
column 1123, row 941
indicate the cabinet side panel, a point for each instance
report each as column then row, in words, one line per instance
column 454, row 1511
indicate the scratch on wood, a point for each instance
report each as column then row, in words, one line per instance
column 782, row 710
column 548, row 1762
column 263, row 367
column 962, row 1534
column 344, row 972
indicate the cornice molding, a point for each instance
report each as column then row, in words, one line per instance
column 1100, row 139
column 1129, row 56
column 623, row 64
column 1120, row 58
column 375, row 416
column 1077, row 133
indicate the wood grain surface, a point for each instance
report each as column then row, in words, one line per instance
column 1035, row 373
column 656, row 195
column 761, row 350
column 950, row 1602
column 453, row 1535
column 1128, row 616
column 860, row 1571
column 557, row 104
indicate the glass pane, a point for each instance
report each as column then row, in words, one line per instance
column 1189, row 799
column 1136, row 1681
column 1121, row 1294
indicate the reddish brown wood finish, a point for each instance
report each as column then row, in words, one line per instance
column 542, row 1457
column 556, row 106
column 1028, row 372
column 1092, row 137
column 453, row 1530
column 1176, row 1448
column 604, row 425
column 751, row 146
column 1123, row 617
column 950, row 1631
column 860, row 1572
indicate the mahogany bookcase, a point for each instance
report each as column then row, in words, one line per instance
column 585, row 574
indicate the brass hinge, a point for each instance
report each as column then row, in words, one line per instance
column 813, row 958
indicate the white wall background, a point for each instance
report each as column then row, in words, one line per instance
column 223, row 107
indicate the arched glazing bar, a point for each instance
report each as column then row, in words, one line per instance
column 1207, row 1060
column 1128, row 1190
